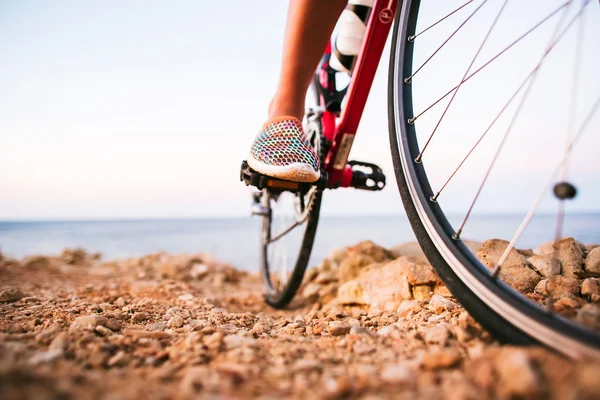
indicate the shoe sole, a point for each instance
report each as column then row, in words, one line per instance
column 296, row 172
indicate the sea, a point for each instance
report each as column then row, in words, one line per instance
column 236, row 240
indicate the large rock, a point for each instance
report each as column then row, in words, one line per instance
column 592, row 262
column 546, row 265
column 515, row 270
column 562, row 286
column 590, row 288
column 569, row 252
column 421, row 274
column 352, row 265
column 384, row 287
column 368, row 248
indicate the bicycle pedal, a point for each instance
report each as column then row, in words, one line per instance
column 252, row 178
column 373, row 179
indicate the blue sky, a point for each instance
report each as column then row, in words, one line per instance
column 142, row 109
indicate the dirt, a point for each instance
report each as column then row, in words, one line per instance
column 189, row 326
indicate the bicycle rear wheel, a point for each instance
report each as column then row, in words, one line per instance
column 289, row 226
column 497, row 306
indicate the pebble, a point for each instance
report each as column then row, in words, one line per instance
column 439, row 304
column 437, row 334
column 517, row 377
column 407, row 307
column 175, row 322
column 338, row 328
column 398, row 373
column 9, row 295
column 46, row 357
column 444, row 358
column 87, row 322
column 118, row 360
column 102, row 330
column 60, row 342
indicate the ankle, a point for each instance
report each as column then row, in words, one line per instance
column 286, row 108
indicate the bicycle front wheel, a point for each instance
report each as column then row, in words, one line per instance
column 422, row 40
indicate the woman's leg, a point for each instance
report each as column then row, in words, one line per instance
column 309, row 27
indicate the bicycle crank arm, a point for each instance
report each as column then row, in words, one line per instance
column 252, row 178
column 373, row 179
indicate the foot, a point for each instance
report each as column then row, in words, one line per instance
column 281, row 150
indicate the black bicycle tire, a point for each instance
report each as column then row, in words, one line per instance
column 431, row 219
column 280, row 299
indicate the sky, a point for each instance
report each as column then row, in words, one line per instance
column 145, row 109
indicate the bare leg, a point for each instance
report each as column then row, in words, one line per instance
column 309, row 26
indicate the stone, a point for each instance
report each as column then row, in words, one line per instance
column 140, row 316
column 60, row 342
column 560, row 286
column 566, row 306
column 359, row 330
column 36, row 262
column 569, row 252
column 351, row 266
column 398, row 373
column 306, row 364
column 589, row 316
column 74, row 256
column 442, row 290
column 514, row 271
column 175, row 322
column 118, row 360
column 364, row 348
column 326, row 277
column 407, row 307
column 422, row 293
column 103, row 331
column 545, row 265
column 590, row 289
column 46, row 357
column 421, row 274
column 443, row 358
column 338, row 328
column 516, row 375
column 437, row 334
column 542, row 287
column 198, row 270
column 592, row 262
column 372, row 250
column 10, row 295
column 383, row 287
column 87, row 322
column 438, row 304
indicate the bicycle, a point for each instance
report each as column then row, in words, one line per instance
column 331, row 123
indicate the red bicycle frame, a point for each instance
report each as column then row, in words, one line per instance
column 340, row 128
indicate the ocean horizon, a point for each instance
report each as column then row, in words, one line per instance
column 235, row 240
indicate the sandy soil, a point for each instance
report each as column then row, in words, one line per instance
column 188, row 326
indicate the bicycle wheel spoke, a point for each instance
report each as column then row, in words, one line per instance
column 409, row 78
column 413, row 37
column 418, row 159
column 570, row 125
column 550, row 46
column 487, row 63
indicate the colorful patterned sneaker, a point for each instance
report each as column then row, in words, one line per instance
column 282, row 151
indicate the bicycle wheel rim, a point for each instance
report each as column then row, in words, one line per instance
column 493, row 303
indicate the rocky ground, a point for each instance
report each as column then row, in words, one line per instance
column 369, row 322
